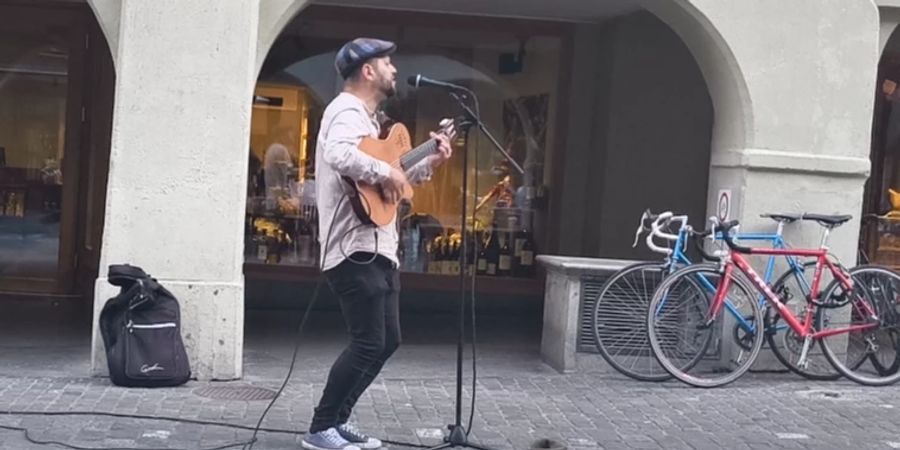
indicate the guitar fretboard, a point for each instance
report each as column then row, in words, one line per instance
column 416, row 155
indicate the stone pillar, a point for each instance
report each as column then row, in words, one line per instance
column 809, row 72
column 178, row 166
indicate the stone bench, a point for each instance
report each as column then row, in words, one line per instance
column 563, row 304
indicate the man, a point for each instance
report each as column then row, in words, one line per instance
column 360, row 263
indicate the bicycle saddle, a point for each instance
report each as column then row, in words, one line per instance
column 786, row 218
column 828, row 220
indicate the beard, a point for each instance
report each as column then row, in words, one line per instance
column 388, row 88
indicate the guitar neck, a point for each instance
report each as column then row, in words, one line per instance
column 416, row 155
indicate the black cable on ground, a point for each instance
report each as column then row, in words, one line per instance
column 164, row 419
column 76, row 447
column 245, row 444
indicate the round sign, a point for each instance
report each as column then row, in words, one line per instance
column 723, row 206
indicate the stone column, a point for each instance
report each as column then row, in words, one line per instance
column 808, row 68
column 178, row 166
column 809, row 71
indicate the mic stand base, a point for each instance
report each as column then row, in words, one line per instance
column 458, row 439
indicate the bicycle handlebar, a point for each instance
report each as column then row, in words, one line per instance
column 698, row 237
column 662, row 220
column 725, row 229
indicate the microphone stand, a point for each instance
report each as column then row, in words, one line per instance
column 459, row 437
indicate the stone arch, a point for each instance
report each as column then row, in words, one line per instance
column 889, row 17
column 723, row 75
column 274, row 15
column 107, row 13
column 733, row 112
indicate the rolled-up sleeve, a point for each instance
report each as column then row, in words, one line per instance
column 342, row 154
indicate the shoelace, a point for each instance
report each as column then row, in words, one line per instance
column 350, row 429
column 333, row 437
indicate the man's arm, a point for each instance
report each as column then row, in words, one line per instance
column 341, row 151
column 423, row 171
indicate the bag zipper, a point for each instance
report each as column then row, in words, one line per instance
column 131, row 325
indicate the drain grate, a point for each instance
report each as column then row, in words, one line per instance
column 240, row 393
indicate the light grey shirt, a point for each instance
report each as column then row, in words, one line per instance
column 345, row 122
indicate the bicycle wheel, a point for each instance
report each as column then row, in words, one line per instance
column 786, row 345
column 620, row 321
column 875, row 288
column 699, row 351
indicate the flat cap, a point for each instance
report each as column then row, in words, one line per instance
column 356, row 52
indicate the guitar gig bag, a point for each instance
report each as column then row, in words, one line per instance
column 141, row 330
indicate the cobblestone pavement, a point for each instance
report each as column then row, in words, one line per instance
column 519, row 400
column 585, row 411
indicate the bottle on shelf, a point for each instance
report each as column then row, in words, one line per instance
column 493, row 251
column 481, row 263
column 504, row 261
column 304, row 244
column 526, row 257
column 262, row 246
column 273, row 255
column 470, row 254
column 434, row 256
column 446, row 255
column 453, row 259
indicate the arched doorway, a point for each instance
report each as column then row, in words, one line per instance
column 880, row 229
column 56, row 102
column 628, row 123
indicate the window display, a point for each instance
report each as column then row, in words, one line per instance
column 515, row 78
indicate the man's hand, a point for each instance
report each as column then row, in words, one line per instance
column 445, row 151
column 392, row 186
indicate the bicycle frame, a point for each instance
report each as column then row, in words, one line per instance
column 778, row 243
column 802, row 329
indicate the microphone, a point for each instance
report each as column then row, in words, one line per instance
column 420, row 81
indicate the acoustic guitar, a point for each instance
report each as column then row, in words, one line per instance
column 368, row 200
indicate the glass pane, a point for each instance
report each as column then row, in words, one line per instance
column 33, row 87
column 515, row 77
column 281, row 212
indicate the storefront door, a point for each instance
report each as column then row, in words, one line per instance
column 42, row 53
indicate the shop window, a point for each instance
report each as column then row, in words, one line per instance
column 515, row 77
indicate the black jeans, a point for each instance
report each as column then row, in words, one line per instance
column 369, row 298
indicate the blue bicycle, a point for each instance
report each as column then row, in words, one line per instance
column 620, row 310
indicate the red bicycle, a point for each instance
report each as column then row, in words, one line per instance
column 855, row 319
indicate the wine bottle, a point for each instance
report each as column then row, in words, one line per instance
column 447, row 256
column 481, row 264
column 305, row 244
column 493, row 252
column 455, row 254
column 429, row 257
column 274, row 248
column 438, row 250
column 526, row 260
column 262, row 247
column 504, row 265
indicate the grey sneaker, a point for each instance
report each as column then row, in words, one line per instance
column 355, row 437
column 329, row 439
